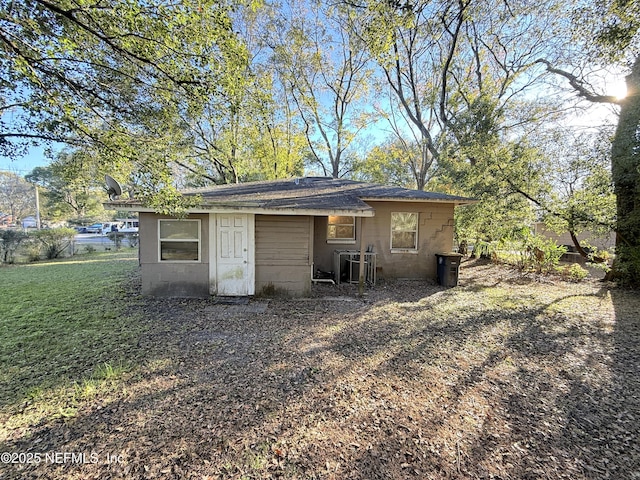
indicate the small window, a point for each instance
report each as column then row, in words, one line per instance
column 404, row 231
column 341, row 229
column 179, row 240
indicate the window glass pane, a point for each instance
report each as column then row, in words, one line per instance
column 404, row 230
column 176, row 229
column 344, row 231
column 337, row 219
column 404, row 221
column 403, row 240
column 341, row 227
column 179, row 251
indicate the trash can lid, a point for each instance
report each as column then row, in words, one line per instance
column 449, row 254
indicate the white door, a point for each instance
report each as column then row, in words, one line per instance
column 234, row 254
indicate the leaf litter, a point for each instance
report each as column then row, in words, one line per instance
column 502, row 377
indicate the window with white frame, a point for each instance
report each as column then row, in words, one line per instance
column 404, row 231
column 341, row 229
column 179, row 240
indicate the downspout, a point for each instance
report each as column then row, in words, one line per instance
column 362, row 259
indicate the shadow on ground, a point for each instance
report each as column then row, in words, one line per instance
column 493, row 379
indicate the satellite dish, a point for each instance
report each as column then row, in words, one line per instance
column 114, row 190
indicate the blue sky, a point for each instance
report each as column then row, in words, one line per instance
column 24, row 165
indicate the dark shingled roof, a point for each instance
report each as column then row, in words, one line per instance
column 309, row 193
column 314, row 193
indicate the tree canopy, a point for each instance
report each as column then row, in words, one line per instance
column 114, row 76
column 193, row 92
column 71, row 188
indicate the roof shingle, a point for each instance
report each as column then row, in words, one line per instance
column 309, row 193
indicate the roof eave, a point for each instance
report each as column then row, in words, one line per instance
column 136, row 207
column 455, row 201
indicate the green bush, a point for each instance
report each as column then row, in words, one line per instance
column 534, row 253
column 54, row 240
column 10, row 240
column 513, row 252
column 628, row 270
column 484, row 249
column 33, row 251
column 132, row 238
column 116, row 238
column 573, row 273
column 542, row 254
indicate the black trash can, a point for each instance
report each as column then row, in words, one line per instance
column 448, row 268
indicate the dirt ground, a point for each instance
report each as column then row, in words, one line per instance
column 502, row 377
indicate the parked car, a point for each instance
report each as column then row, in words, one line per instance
column 95, row 228
column 81, row 229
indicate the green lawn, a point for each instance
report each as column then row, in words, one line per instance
column 62, row 332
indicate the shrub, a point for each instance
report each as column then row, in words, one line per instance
column 33, row 251
column 10, row 240
column 89, row 249
column 513, row 252
column 116, row 238
column 484, row 249
column 628, row 271
column 543, row 254
column 573, row 273
column 536, row 253
column 132, row 238
column 54, row 240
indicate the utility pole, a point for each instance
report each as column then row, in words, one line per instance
column 38, row 224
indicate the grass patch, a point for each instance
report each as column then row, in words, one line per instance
column 63, row 334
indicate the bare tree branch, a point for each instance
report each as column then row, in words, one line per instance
column 578, row 85
column 455, row 34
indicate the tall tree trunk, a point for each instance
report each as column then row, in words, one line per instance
column 625, row 170
column 580, row 249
